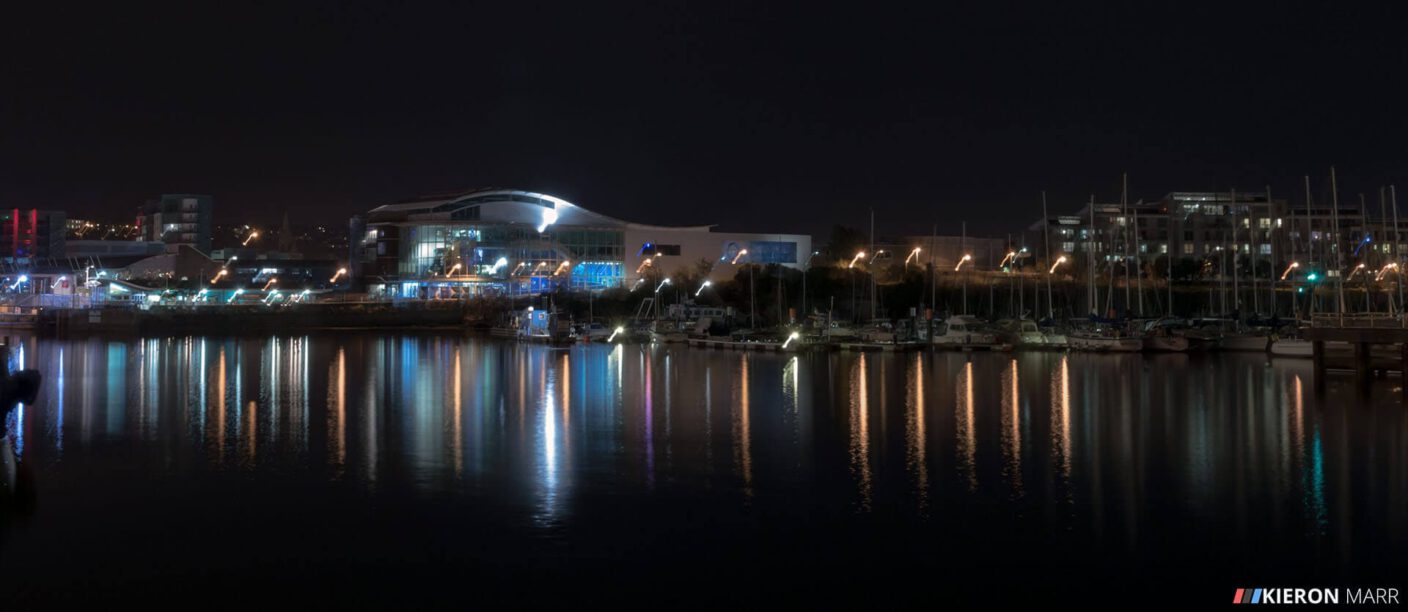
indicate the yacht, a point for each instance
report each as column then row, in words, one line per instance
column 1026, row 334
column 1104, row 340
column 965, row 332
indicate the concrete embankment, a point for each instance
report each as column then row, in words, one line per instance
column 255, row 319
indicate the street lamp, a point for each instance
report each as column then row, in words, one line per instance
column 1353, row 272
column 219, row 274
column 1294, row 265
column 856, row 258
column 340, row 272
column 562, row 266
column 701, row 288
column 740, row 254
column 912, row 255
column 1059, row 260
column 452, row 270
column 235, row 295
column 1382, row 272
column 637, row 285
column 271, row 282
column 251, row 236
column 965, row 258
column 616, row 332
column 877, row 255
column 790, row 337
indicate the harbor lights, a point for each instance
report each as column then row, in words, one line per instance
column 966, row 258
column 453, row 269
column 912, row 255
column 856, row 258
column 234, row 295
column 790, row 338
column 1059, row 260
column 271, row 282
column 1382, row 272
column 1294, row 265
column 701, row 288
column 1353, row 272
column 219, row 274
column 738, row 256
column 662, row 285
column 616, row 332
column 252, row 235
column 562, row 266
column 340, row 272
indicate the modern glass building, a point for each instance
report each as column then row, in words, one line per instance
column 505, row 241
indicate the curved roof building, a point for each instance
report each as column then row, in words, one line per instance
column 515, row 241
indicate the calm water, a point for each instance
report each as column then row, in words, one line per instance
column 396, row 469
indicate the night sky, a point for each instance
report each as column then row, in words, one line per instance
column 757, row 118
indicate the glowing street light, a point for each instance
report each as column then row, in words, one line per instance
column 616, row 332
column 662, row 285
column 1382, row 272
column 20, row 281
column 251, row 236
column 856, row 258
column 1294, row 265
column 453, row 269
column 877, row 255
column 965, row 258
column 738, row 256
column 271, row 282
column 340, row 272
column 701, row 288
column 498, row 265
column 1353, row 272
column 562, row 266
column 790, row 338
column 201, row 294
column 645, row 264
column 234, row 295
column 1010, row 256
column 1059, row 260
column 219, row 274
column 912, row 255
column 271, row 297
column 637, row 285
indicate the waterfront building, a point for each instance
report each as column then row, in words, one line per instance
column 30, row 235
column 504, row 241
column 177, row 219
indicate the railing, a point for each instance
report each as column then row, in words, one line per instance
column 1372, row 320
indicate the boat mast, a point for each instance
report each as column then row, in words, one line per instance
column 1093, row 294
column 1397, row 260
column 1046, row 234
column 1271, row 242
column 1236, row 288
column 1254, row 249
column 1335, row 242
column 1124, row 244
column 1383, row 225
column 1138, row 267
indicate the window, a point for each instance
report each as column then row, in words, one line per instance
column 651, row 248
column 1187, row 248
column 765, row 251
column 1265, row 249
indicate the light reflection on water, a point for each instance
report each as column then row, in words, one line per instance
column 1115, row 449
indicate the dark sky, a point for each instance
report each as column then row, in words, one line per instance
column 755, row 117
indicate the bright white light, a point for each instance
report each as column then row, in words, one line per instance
column 662, row 284
column 614, row 332
column 503, row 261
column 790, row 338
column 549, row 218
column 701, row 288
column 1059, row 260
column 960, row 262
column 856, row 258
column 234, row 295
column 1294, row 265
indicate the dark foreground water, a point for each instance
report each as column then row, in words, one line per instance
column 398, row 470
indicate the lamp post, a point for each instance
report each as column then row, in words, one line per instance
column 656, row 301
column 252, row 235
column 806, row 270
column 340, row 272
column 1051, row 306
column 966, row 258
column 852, row 266
column 701, row 288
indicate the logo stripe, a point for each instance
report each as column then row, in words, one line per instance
column 1236, row 599
column 1256, row 596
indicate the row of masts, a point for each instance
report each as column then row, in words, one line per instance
column 1302, row 247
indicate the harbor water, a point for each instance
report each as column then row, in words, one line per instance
column 403, row 469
